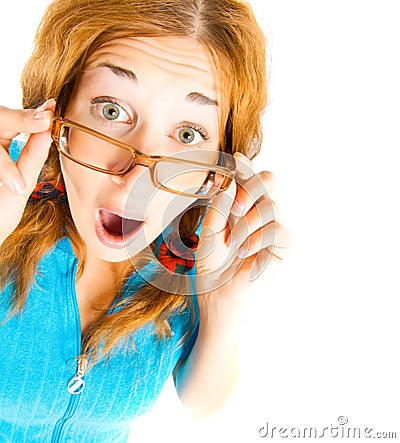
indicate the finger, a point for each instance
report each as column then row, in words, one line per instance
column 252, row 267
column 221, row 206
column 271, row 235
column 33, row 121
column 264, row 259
column 6, row 137
column 244, row 167
column 32, row 159
column 239, row 270
column 260, row 215
column 9, row 173
column 251, row 190
column 21, row 178
column 216, row 219
column 15, row 121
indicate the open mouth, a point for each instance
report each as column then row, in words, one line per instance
column 115, row 230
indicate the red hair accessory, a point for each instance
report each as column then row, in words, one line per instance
column 48, row 188
column 177, row 254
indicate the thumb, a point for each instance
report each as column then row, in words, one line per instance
column 33, row 157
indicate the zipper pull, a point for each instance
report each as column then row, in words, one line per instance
column 77, row 384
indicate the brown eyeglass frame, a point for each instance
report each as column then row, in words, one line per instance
column 138, row 157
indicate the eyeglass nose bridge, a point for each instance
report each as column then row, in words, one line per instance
column 141, row 159
column 144, row 159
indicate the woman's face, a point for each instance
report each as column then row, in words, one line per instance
column 158, row 95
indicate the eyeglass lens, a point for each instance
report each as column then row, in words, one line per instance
column 189, row 172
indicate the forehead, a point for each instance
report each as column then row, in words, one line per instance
column 157, row 59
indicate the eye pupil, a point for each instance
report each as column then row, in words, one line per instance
column 111, row 111
column 186, row 135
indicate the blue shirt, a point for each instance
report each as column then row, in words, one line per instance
column 38, row 351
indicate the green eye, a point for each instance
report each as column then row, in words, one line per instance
column 187, row 135
column 111, row 111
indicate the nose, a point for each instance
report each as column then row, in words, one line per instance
column 137, row 188
column 147, row 138
column 138, row 176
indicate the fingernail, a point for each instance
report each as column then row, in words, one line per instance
column 41, row 115
column 19, row 185
column 43, row 107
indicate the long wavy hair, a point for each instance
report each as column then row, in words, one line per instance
column 69, row 32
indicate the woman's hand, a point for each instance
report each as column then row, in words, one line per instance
column 240, row 235
column 17, row 181
column 240, row 238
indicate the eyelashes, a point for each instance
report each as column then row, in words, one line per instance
column 201, row 131
column 109, row 109
column 111, row 113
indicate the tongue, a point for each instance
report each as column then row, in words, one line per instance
column 112, row 223
column 116, row 225
column 129, row 225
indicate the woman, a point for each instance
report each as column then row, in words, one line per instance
column 143, row 116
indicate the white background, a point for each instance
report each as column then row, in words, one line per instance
column 321, row 336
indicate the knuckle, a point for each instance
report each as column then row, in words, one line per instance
column 15, row 121
column 267, row 177
column 23, row 118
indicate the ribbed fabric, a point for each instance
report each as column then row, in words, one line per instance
column 37, row 359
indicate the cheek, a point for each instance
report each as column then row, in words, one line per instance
column 161, row 210
column 72, row 177
column 80, row 186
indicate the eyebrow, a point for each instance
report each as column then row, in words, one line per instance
column 193, row 97
column 120, row 72
column 201, row 99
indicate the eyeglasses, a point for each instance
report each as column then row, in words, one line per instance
column 196, row 173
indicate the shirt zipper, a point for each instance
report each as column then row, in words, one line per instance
column 76, row 384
